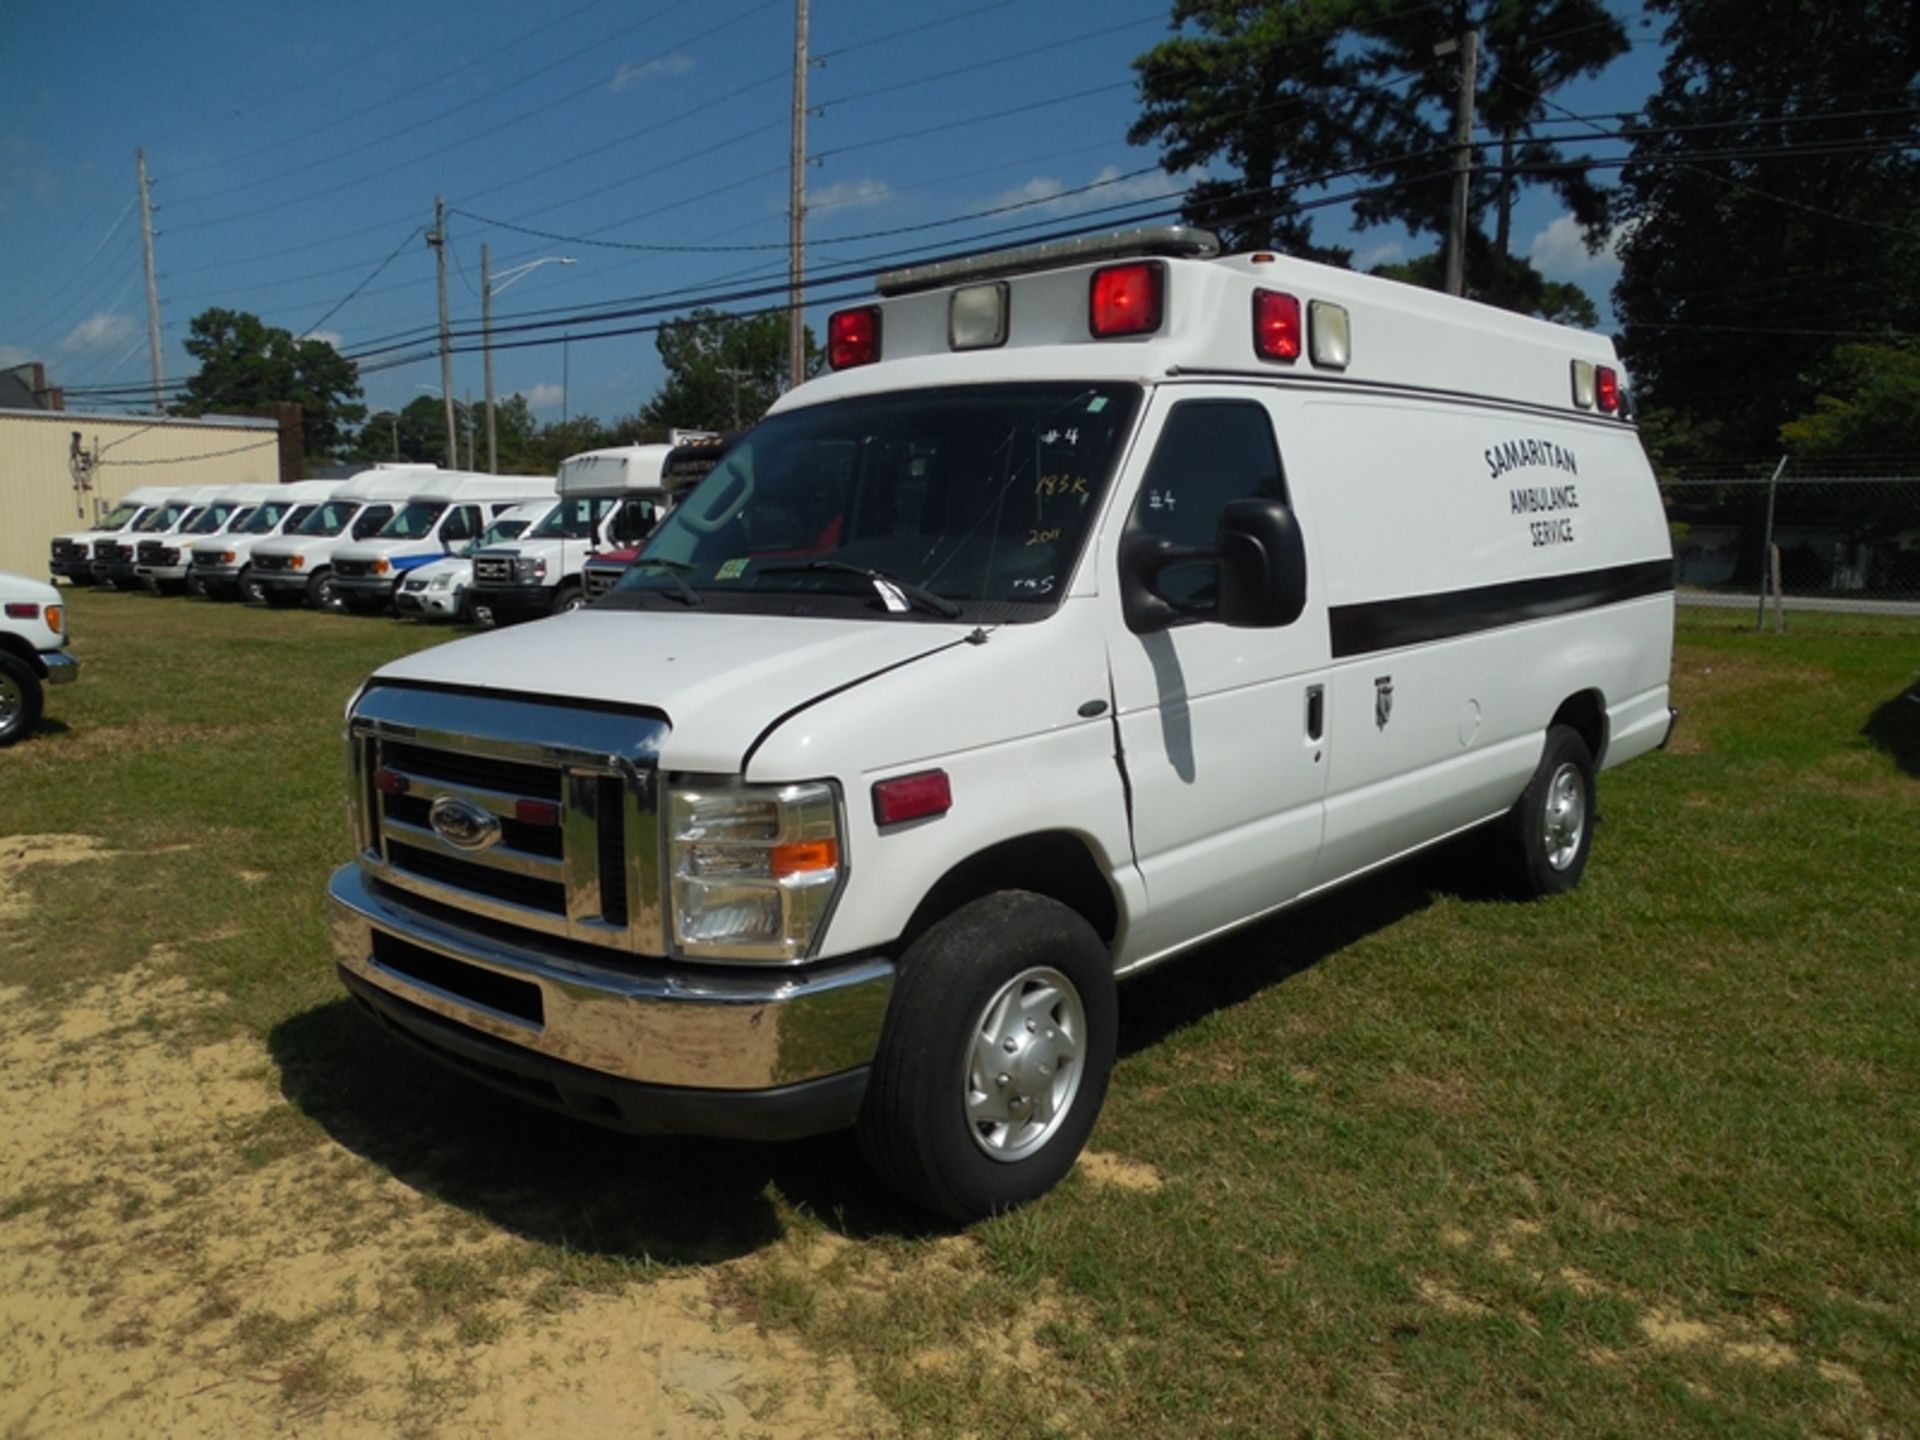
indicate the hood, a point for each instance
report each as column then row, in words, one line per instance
column 20, row 588
column 720, row 679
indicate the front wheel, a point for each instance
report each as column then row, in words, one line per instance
column 251, row 589
column 1549, row 832
column 323, row 594
column 20, row 698
column 994, row 1062
column 566, row 599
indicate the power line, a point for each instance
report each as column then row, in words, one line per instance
column 405, row 241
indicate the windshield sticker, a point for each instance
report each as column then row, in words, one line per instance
column 1096, row 404
column 731, row 570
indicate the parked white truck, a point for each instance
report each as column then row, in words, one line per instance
column 438, row 590
column 163, row 561
column 447, row 509
column 33, row 653
column 1104, row 598
column 116, row 558
column 296, row 567
column 224, row 567
column 71, row 555
column 608, row 498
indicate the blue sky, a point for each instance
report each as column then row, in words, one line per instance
column 295, row 148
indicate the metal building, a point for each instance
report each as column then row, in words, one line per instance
column 60, row 469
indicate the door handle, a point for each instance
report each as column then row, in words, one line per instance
column 1316, row 711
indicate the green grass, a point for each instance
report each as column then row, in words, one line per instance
column 1644, row 1160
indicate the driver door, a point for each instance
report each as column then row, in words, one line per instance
column 1222, row 730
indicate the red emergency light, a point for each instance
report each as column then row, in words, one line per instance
column 1606, row 389
column 853, row 337
column 1126, row 300
column 1276, row 325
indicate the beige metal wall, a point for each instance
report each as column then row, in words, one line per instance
column 39, row 494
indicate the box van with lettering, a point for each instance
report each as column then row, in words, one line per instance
column 1104, row 598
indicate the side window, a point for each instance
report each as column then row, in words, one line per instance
column 460, row 525
column 1209, row 452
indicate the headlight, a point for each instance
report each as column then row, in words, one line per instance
column 440, row 582
column 535, row 569
column 755, row 868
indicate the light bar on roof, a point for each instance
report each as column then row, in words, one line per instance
column 1177, row 241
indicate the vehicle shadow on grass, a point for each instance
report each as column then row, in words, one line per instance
column 1895, row 728
column 684, row 1201
column 552, row 1179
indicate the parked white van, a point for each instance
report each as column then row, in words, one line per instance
column 297, row 566
column 33, row 652
column 447, row 509
column 438, row 590
column 1104, row 598
column 608, row 498
column 223, row 567
column 162, row 561
column 116, row 558
column 71, row 555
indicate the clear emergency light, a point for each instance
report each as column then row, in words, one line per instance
column 977, row 317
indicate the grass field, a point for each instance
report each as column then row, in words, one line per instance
column 1644, row 1160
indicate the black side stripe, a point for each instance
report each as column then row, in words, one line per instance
column 1388, row 624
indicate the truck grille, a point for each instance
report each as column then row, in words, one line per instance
column 352, row 569
column 571, row 798
column 273, row 562
column 602, row 578
column 67, row 550
column 493, row 570
column 155, row 552
column 112, row 551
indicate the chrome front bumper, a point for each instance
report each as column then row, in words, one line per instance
column 648, row 1022
column 62, row 668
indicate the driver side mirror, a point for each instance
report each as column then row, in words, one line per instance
column 1259, row 565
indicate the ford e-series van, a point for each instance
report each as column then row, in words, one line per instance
column 447, row 510
column 223, row 566
column 296, row 567
column 71, row 555
column 1104, row 597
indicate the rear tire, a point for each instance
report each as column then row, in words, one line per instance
column 21, row 698
column 1549, row 831
column 995, row 1058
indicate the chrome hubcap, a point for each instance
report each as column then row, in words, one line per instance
column 13, row 702
column 1024, row 1067
column 1566, row 816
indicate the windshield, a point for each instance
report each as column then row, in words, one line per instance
column 122, row 513
column 328, row 519
column 209, row 520
column 416, row 522
column 370, row 521
column 262, row 520
column 498, row 531
column 982, row 495
column 163, row 517
column 573, row 519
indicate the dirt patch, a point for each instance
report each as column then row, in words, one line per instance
column 158, row 1277
column 1118, row 1172
column 1445, row 1298
column 19, row 853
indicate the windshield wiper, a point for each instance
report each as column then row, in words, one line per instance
column 672, row 569
column 888, row 587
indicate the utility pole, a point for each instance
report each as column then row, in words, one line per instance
column 566, row 366
column 1469, row 47
column 486, row 348
column 797, row 206
column 437, row 238
column 472, row 439
column 153, row 289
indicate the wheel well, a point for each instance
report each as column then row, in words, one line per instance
column 1053, row 863
column 1586, row 715
column 16, row 645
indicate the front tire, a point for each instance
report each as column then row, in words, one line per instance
column 20, row 698
column 323, row 594
column 1550, row 828
column 250, row 589
column 995, row 1058
column 566, row 599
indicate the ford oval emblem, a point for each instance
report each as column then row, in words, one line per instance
column 462, row 824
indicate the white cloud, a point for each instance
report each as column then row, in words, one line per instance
column 544, row 397
column 849, row 195
column 99, row 334
column 678, row 63
column 1047, row 196
column 1560, row 252
column 325, row 337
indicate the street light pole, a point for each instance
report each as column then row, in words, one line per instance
column 486, row 332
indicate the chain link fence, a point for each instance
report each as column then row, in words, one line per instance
column 1845, row 542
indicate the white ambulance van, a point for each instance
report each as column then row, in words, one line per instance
column 223, row 567
column 116, row 559
column 448, row 509
column 608, row 498
column 163, row 561
column 297, row 567
column 438, row 589
column 1104, row 598
column 71, row 557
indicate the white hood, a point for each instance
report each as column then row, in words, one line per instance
column 720, row 679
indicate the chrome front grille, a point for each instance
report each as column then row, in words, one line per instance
column 570, row 798
column 352, row 569
column 112, row 552
column 273, row 562
column 157, row 552
column 602, row 578
column 68, row 550
column 493, row 570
